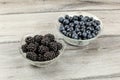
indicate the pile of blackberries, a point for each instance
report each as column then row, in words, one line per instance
column 41, row 48
column 79, row 27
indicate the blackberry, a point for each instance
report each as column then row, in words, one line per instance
column 42, row 49
column 32, row 56
column 59, row 46
column 36, row 43
column 45, row 41
column 40, row 57
column 38, row 38
column 57, row 53
column 29, row 39
column 53, row 46
column 50, row 36
column 49, row 55
column 24, row 48
column 31, row 47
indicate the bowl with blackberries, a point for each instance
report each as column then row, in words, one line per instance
column 79, row 29
column 41, row 49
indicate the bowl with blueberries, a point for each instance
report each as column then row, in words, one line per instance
column 79, row 29
column 41, row 49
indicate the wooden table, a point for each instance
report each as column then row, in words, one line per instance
column 97, row 61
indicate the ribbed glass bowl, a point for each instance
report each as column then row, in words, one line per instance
column 41, row 63
column 76, row 42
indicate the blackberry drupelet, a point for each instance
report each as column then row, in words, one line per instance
column 38, row 38
column 42, row 49
column 45, row 41
column 40, row 57
column 57, row 53
column 31, row 47
column 53, row 46
column 29, row 39
column 32, row 56
column 49, row 56
column 50, row 36
column 59, row 46
column 24, row 48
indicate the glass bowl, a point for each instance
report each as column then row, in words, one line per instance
column 76, row 42
column 41, row 63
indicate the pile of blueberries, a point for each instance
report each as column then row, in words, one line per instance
column 79, row 27
column 41, row 48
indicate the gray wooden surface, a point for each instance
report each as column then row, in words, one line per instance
column 97, row 61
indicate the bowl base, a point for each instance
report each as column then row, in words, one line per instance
column 77, row 44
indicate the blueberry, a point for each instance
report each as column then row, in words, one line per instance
column 92, row 29
column 97, row 22
column 70, row 19
column 85, row 18
column 84, row 34
column 77, row 26
column 88, row 32
column 80, row 17
column 75, row 17
column 61, row 19
column 71, row 24
column 88, row 24
column 89, row 36
column 79, row 33
column 93, row 35
column 81, row 23
column 94, row 24
column 69, row 34
column 73, row 32
column 61, row 28
column 76, row 22
column 67, row 26
column 66, row 21
column 71, row 28
column 95, row 32
column 90, row 18
column 82, row 30
column 74, row 36
column 64, row 32
column 68, row 30
column 66, row 16
column 97, row 28
column 89, row 28
column 77, row 30
column 82, row 27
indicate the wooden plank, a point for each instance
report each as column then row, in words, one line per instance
column 35, row 6
column 97, row 61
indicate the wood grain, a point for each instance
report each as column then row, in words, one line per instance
column 97, row 61
column 35, row 6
